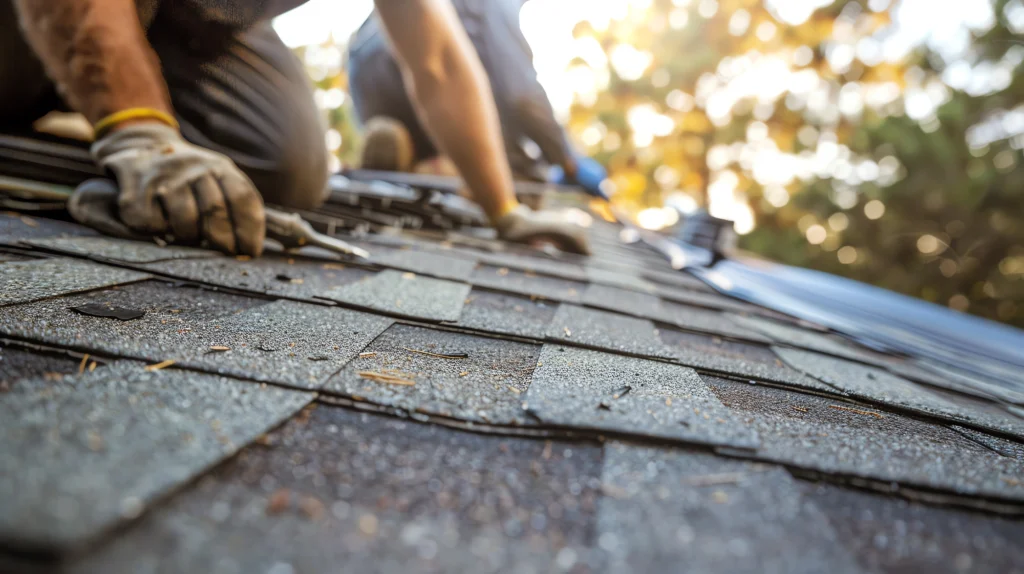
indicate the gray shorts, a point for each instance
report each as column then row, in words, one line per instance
column 239, row 92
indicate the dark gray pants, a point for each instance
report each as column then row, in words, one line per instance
column 239, row 92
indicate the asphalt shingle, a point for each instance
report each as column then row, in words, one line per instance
column 527, row 283
column 82, row 455
column 606, row 330
column 484, row 386
column 621, row 300
column 121, row 250
column 671, row 509
column 442, row 265
column 405, row 294
column 507, row 314
column 375, row 494
column 25, row 281
column 578, row 388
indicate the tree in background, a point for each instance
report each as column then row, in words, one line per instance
column 828, row 148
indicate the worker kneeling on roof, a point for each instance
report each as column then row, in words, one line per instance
column 202, row 113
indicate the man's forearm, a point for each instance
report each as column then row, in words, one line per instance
column 451, row 89
column 96, row 53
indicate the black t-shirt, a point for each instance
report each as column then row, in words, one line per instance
column 239, row 13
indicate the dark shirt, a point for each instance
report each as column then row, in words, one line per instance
column 523, row 106
column 235, row 13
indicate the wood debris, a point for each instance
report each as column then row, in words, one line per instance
column 438, row 355
column 160, row 365
column 858, row 411
column 336, row 266
column 386, row 378
column 801, row 409
column 81, row 366
column 92, row 366
column 568, row 333
column 219, row 348
column 367, row 354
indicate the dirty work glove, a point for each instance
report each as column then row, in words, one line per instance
column 169, row 186
column 523, row 225
column 589, row 175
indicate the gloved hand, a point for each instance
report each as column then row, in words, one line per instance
column 523, row 225
column 589, row 175
column 169, row 186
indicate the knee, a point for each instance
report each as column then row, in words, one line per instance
column 301, row 167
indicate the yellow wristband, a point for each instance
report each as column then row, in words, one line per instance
column 103, row 126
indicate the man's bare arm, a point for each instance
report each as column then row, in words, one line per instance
column 96, row 53
column 450, row 87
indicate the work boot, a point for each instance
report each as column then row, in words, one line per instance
column 388, row 146
column 523, row 225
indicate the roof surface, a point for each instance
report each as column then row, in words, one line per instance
column 457, row 404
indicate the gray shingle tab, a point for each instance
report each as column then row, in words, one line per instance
column 606, row 330
column 590, row 389
column 883, row 387
column 670, row 507
column 507, row 314
column 285, row 342
column 14, row 228
column 25, row 281
column 619, row 278
column 537, row 264
column 526, row 283
column 737, row 359
column 119, row 249
column 834, row 437
column 174, row 317
column 375, row 494
column 405, row 294
column 486, row 386
column 81, row 456
column 890, row 535
column 273, row 274
column 443, row 265
column 627, row 301
column 803, row 338
column 698, row 319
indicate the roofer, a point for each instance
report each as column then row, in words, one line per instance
column 395, row 139
column 202, row 113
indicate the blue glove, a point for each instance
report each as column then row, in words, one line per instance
column 589, row 175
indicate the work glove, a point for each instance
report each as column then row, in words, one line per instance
column 523, row 225
column 589, row 175
column 171, row 187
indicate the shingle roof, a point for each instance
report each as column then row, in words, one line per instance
column 456, row 404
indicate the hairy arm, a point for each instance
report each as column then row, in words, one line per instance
column 96, row 53
column 450, row 88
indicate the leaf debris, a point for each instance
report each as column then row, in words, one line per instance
column 438, row 355
column 386, row 378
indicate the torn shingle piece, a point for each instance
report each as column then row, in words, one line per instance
column 25, row 281
column 285, row 342
column 536, row 264
column 627, row 301
column 736, row 359
column 524, row 283
column 272, row 274
column 435, row 264
column 805, row 431
column 124, row 437
column 121, row 250
column 486, row 386
column 671, row 507
column 606, row 330
column 507, row 314
column 803, row 338
column 578, row 388
column 888, row 535
column 620, row 278
column 109, row 311
column 707, row 321
column 404, row 294
column 377, row 494
column 883, row 387
column 174, row 317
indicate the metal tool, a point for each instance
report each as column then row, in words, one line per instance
column 94, row 203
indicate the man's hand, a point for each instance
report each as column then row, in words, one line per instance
column 169, row 186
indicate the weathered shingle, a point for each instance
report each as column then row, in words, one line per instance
column 405, row 294
column 25, row 281
column 606, row 330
